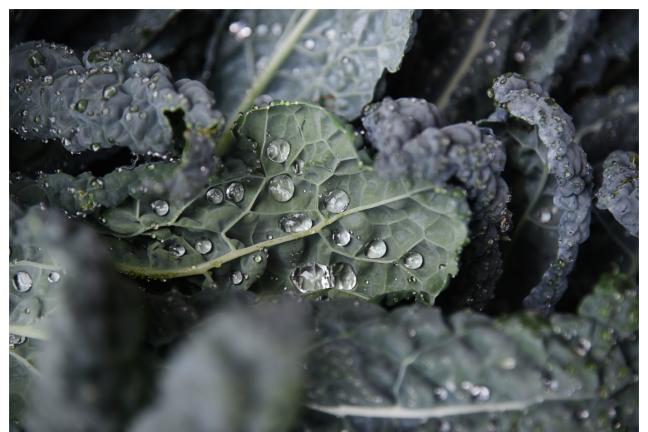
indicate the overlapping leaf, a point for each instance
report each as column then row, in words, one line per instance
column 412, row 369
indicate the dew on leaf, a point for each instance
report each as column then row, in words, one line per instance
column 413, row 260
column 109, row 92
column 341, row 238
column 297, row 222
column 215, row 195
column 236, row 277
column 203, row 246
column 281, row 188
column 15, row 340
column 312, row 277
column 344, row 276
column 376, row 249
column 81, row 105
column 278, row 150
column 298, row 167
column 54, row 277
column 235, row 192
column 22, row 281
column 177, row 250
column 160, row 207
column 336, row 201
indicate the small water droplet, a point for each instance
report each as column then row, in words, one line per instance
column 215, row 195
column 235, row 192
column 36, row 59
column 47, row 80
column 336, row 201
column 376, row 249
column 309, row 44
column 297, row 222
column 54, row 277
column 177, row 250
column 344, row 276
column 413, row 260
column 298, row 167
column 281, row 188
column 341, row 238
column 278, row 150
column 236, row 277
column 81, row 105
column 203, row 246
column 160, row 207
column 22, row 281
column 312, row 277
column 109, row 92
column 258, row 258
column 545, row 216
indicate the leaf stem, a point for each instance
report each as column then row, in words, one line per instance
column 278, row 57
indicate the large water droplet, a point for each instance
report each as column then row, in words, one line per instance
column 341, row 238
column 336, row 201
column 235, row 192
column 297, row 222
column 344, row 276
column 22, row 281
column 54, row 277
column 376, row 249
column 203, row 246
column 236, row 277
column 15, row 340
column 281, row 188
column 215, row 195
column 278, row 150
column 160, row 207
column 312, row 277
column 413, row 260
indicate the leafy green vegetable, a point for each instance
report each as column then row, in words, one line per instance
column 330, row 57
column 300, row 194
column 412, row 369
column 555, row 171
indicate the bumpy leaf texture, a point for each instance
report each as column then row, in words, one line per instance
column 296, row 208
column 470, row 372
column 330, row 57
column 240, row 371
column 110, row 98
column 91, row 375
column 619, row 191
column 411, row 141
column 556, row 168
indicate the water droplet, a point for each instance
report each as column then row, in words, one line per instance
column 519, row 57
column 203, row 246
column 215, row 195
column 413, row 260
column 309, row 44
column 341, row 238
column 81, row 105
column 376, row 249
column 508, row 363
column 281, row 188
column 36, row 59
column 330, row 34
column 545, row 216
column 47, row 80
column 297, row 222
column 236, row 277
column 336, row 201
column 312, row 277
column 22, row 281
column 258, row 258
column 177, row 250
column 235, row 192
column 344, row 276
column 240, row 30
column 160, row 207
column 15, row 340
column 298, row 167
column 54, row 277
column 109, row 92
column 278, row 150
